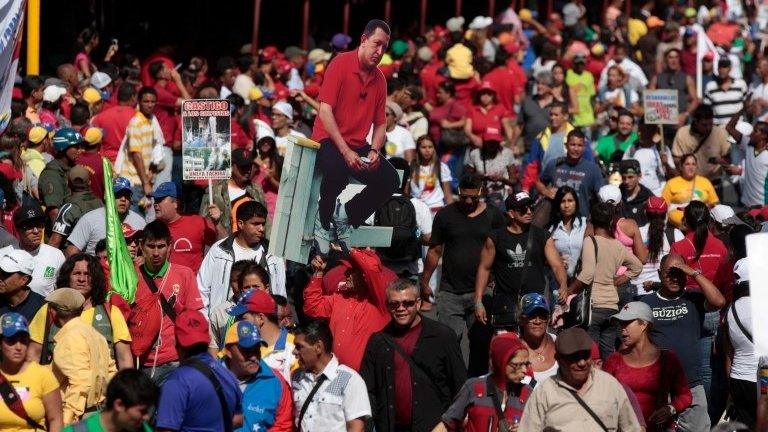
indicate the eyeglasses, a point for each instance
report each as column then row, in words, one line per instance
column 395, row 305
column 522, row 365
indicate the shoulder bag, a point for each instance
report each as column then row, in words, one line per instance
column 208, row 373
column 452, row 138
column 580, row 307
column 14, row 403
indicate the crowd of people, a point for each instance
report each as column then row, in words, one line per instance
column 557, row 263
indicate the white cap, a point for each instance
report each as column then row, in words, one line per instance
column 17, row 260
column 100, row 80
column 424, row 53
column 454, row 24
column 480, row 22
column 262, row 129
column 724, row 215
column 284, row 108
column 53, row 93
column 741, row 270
column 610, row 192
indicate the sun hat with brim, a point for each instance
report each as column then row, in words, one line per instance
column 66, row 299
column 634, row 310
column 12, row 324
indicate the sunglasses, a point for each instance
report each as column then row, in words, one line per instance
column 524, row 210
column 30, row 227
column 395, row 305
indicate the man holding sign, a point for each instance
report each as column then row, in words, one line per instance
column 352, row 99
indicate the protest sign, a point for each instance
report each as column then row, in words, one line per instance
column 660, row 106
column 205, row 139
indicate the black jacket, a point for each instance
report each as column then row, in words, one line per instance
column 441, row 375
column 635, row 208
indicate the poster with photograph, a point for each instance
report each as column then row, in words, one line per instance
column 205, row 139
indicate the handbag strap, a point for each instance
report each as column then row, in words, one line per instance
column 13, row 402
column 585, row 406
column 489, row 384
column 208, row 373
column 739, row 323
column 412, row 364
column 320, row 380
column 164, row 303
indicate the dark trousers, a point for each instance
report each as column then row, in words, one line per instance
column 743, row 402
column 603, row 330
column 380, row 184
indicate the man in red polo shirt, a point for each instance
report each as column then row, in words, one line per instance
column 114, row 121
column 352, row 99
column 190, row 234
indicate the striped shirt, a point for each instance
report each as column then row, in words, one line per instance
column 142, row 134
column 725, row 103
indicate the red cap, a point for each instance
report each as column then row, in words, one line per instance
column 192, row 329
column 656, row 205
column 759, row 213
column 486, row 86
column 269, row 53
column 129, row 232
column 261, row 302
column 492, row 134
column 512, row 47
column 17, row 94
column 281, row 94
column 709, row 56
column 283, row 67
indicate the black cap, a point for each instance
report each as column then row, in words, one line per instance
column 242, row 157
column 519, row 201
column 629, row 166
column 27, row 213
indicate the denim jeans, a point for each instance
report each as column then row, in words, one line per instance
column 457, row 311
column 708, row 331
column 160, row 373
column 603, row 330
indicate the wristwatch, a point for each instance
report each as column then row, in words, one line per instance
column 696, row 273
column 672, row 409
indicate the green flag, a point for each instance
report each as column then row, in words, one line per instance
column 122, row 273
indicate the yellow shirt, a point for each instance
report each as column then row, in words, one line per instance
column 34, row 160
column 83, row 366
column 678, row 192
column 31, row 384
column 141, row 136
column 120, row 331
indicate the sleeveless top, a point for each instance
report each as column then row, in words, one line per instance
column 674, row 81
column 625, row 240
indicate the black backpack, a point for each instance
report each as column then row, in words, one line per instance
column 398, row 212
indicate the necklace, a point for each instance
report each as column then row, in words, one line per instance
column 540, row 352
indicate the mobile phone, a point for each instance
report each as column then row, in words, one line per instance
column 365, row 160
column 114, row 41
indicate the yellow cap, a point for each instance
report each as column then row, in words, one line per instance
column 93, row 135
column 91, row 95
column 255, row 94
column 37, row 134
column 525, row 14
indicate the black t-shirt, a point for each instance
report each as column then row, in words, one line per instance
column 462, row 238
column 27, row 308
column 677, row 327
column 512, row 257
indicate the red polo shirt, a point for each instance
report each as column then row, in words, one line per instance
column 113, row 122
column 508, row 82
column 92, row 162
column 713, row 262
column 356, row 103
column 482, row 119
column 190, row 235
column 430, row 79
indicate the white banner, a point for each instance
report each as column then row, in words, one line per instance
column 11, row 28
column 757, row 257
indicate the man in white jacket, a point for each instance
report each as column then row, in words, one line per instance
column 247, row 243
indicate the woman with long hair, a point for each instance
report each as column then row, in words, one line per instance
column 686, row 188
column 33, row 385
column 655, row 376
column 567, row 226
column 659, row 237
column 486, row 114
column 430, row 178
column 103, row 311
column 86, row 42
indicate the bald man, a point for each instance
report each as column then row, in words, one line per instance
column 678, row 315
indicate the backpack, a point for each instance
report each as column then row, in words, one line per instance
column 398, row 212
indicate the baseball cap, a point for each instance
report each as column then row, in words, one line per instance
column 398, row 47
column 492, row 134
column 518, row 201
column 12, row 324
column 245, row 334
column 486, row 86
column 100, row 80
column 708, row 56
column 17, row 261
column 294, row 51
column 573, row 340
column 121, row 184
column 724, row 215
column 27, row 213
column 167, row 189
column 741, row 270
column 424, row 54
column 455, row 24
column 255, row 94
column 654, row 21
column 66, row 299
column 242, row 157
column 656, row 205
column 340, row 41
column 256, row 301
column 191, row 328
column 269, row 53
column 37, row 134
column 53, row 93
column 634, row 310
column 480, row 22
column 78, row 175
column 532, row 302
column 609, row 193
column 130, row 232
column 397, row 111
column 579, row 58
column 93, row 136
column 597, row 49
column 318, row 55
column 629, row 166
column 283, row 108
column 91, row 95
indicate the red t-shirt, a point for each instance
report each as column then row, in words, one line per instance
column 465, row 89
column 430, row 79
column 239, row 137
column 713, row 262
column 356, row 103
column 403, row 383
column 190, row 235
column 165, row 111
column 113, row 122
column 646, row 382
column 508, row 85
column 92, row 162
column 452, row 111
column 482, row 119
column 179, row 286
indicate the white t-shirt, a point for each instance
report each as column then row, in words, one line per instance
column 619, row 96
column 91, row 228
column 242, row 253
column 428, row 188
column 235, row 192
column 650, row 270
column 275, row 265
column 744, row 365
column 650, row 167
column 283, row 143
column 755, row 169
column 398, row 141
column 47, row 262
